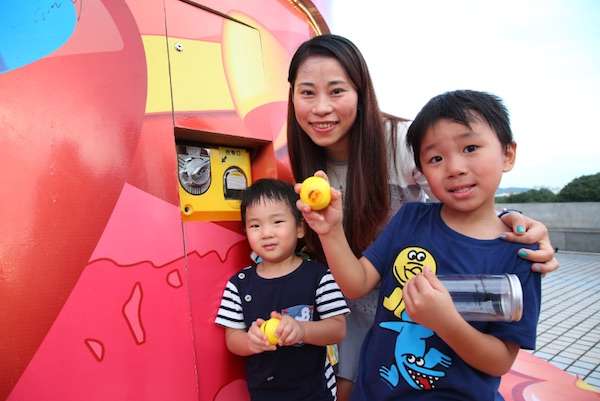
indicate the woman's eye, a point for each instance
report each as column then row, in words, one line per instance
column 306, row 92
column 470, row 148
column 337, row 91
column 279, row 221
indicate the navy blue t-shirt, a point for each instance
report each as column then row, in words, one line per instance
column 402, row 360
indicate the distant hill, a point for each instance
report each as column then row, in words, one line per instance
column 510, row 191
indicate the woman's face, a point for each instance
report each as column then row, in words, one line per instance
column 325, row 103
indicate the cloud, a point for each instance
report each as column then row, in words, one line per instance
column 541, row 57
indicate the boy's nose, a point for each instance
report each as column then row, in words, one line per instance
column 455, row 166
column 266, row 232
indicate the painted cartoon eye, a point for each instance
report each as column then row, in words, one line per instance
column 420, row 361
column 412, row 255
column 421, row 256
column 410, row 358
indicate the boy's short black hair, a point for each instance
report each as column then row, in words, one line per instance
column 270, row 189
column 463, row 107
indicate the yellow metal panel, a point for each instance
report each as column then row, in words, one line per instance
column 158, row 96
column 197, row 74
column 244, row 68
column 255, row 62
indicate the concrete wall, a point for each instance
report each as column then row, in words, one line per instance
column 572, row 226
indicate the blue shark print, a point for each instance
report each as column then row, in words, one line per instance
column 413, row 361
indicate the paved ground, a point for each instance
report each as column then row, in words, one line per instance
column 569, row 325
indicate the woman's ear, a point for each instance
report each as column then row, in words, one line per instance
column 510, row 155
column 300, row 230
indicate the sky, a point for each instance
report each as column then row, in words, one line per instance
column 542, row 57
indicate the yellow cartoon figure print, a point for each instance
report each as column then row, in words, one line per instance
column 409, row 262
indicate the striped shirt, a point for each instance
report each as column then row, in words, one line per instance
column 309, row 293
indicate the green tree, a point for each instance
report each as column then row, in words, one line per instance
column 582, row 189
column 533, row 195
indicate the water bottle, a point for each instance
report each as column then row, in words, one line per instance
column 486, row 297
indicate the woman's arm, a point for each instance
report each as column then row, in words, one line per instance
column 355, row 277
column 526, row 230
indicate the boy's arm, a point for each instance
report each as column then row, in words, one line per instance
column 321, row 332
column 482, row 351
column 324, row 332
column 428, row 303
column 245, row 343
column 230, row 315
column 355, row 277
column 330, row 307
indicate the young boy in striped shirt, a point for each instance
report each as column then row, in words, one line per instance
column 301, row 293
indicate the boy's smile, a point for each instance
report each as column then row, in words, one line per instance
column 464, row 164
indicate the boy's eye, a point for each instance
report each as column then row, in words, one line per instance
column 253, row 226
column 279, row 221
column 470, row 148
column 435, row 159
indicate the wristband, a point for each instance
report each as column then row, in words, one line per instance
column 507, row 211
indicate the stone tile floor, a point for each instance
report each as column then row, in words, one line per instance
column 569, row 325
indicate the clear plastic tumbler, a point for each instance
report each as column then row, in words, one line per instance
column 486, row 297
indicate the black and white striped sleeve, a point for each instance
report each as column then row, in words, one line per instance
column 329, row 298
column 230, row 313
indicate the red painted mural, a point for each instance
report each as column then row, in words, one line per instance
column 108, row 287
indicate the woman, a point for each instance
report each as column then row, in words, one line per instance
column 335, row 125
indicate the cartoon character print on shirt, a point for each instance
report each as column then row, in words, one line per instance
column 301, row 313
column 409, row 262
column 420, row 367
column 416, row 364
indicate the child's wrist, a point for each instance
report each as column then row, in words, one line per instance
column 302, row 332
column 451, row 324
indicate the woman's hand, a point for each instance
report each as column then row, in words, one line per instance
column 324, row 220
column 526, row 230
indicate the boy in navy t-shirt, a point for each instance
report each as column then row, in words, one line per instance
column 419, row 346
column 301, row 293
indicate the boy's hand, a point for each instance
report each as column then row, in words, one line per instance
column 257, row 341
column 289, row 331
column 325, row 220
column 428, row 301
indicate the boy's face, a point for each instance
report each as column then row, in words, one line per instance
column 272, row 230
column 464, row 164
